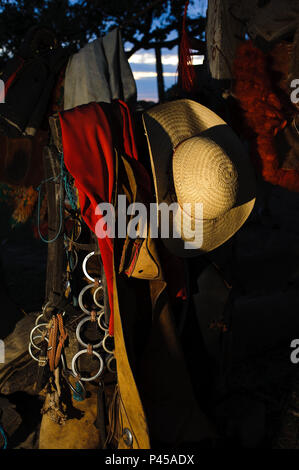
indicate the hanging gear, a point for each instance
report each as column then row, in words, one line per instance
column 34, row 69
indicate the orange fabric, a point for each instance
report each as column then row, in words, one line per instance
column 264, row 113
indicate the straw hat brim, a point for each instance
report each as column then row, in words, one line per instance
column 166, row 126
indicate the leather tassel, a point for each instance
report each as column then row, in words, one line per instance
column 186, row 70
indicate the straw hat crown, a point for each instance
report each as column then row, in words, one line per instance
column 207, row 176
column 197, row 158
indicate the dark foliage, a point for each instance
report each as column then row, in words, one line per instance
column 143, row 22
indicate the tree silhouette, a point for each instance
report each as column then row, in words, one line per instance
column 144, row 23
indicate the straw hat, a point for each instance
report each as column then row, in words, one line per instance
column 197, row 158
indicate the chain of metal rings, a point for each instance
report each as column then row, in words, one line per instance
column 107, row 341
column 40, row 332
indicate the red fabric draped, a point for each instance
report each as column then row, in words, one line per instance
column 88, row 147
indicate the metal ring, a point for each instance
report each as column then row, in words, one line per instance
column 37, row 319
column 30, row 344
column 84, row 351
column 101, row 323
column 84, row 266
column 31, row 334
column 80, row 298
column 108, row 364
column 84, row 320
column 45, row 306
column 104, row 346
column 95, row 295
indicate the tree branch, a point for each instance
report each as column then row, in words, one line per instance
column 142, row 12
column 152, row 45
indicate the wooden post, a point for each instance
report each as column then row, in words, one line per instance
column 159, row 70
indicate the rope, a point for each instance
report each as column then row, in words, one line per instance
column 62, row 338
column 63, row 178
column 52, row 343
column 54, row 349
column 59, row 178
column 2, row 432
column 69, row 190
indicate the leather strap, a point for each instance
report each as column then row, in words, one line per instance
column 54, row 282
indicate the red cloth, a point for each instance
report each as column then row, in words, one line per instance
column 13, row 75
column 88, row 147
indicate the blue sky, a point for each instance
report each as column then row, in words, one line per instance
column 143, row 64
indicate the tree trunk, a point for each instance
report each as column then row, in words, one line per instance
column 159, row 70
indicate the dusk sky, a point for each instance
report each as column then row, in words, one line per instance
column 143, row 62
column 144, row 71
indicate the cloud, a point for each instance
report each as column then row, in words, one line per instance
column 150, row 58
column 167, row 59
column 141, row 74
column 143, row 65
